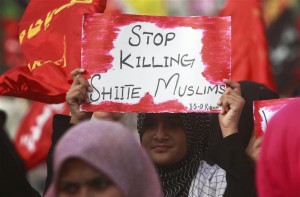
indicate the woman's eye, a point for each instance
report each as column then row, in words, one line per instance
column 69, row 188
column 148, row 125
column 100, row 183
column 173, row 124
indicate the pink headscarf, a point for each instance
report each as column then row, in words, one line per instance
column 113, row 150
column 278, row 173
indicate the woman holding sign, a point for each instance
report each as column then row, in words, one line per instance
column 177, row 144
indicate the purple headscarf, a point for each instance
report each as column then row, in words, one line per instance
column 114, row 151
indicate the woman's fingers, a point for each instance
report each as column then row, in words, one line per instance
column 76, row 72
column 233, row 85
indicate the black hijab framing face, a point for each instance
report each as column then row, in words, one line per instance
column 176, row 179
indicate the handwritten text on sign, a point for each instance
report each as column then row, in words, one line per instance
column 264, row 110
column 155, row 64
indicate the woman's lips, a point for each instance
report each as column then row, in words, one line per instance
column 161, row 148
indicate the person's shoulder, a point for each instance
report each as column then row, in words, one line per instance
column 210, row 179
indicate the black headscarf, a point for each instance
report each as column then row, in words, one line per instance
column 176, row 179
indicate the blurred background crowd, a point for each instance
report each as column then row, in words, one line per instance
column 282, row 23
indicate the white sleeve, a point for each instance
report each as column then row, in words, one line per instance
column 209, row 181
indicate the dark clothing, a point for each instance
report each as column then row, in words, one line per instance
column 230, row 156
column 13, row 181
column 229, row 153
column 251, row 91
column 60, row 124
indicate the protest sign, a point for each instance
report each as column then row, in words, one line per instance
column 141, row 63
column 264, row 110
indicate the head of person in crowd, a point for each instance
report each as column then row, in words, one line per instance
column 176, row 143
column 278, row 169
column 102, row 158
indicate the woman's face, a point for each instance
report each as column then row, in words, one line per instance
column 79, row 179
column 164, row 138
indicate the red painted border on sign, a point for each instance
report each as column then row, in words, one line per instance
column 273, row 105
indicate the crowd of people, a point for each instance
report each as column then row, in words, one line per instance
column 179, row 154
column 175, row 154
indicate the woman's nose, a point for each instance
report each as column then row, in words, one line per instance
column 84, row 192
column 161, row 132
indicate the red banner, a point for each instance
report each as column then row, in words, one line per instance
column 50, row 37
column 33, row 138
column 250, row 60
column 11, row 48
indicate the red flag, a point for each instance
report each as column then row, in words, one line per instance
column 50, row 38
column 11, row 48
column 250, row 60
column 33, row 138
